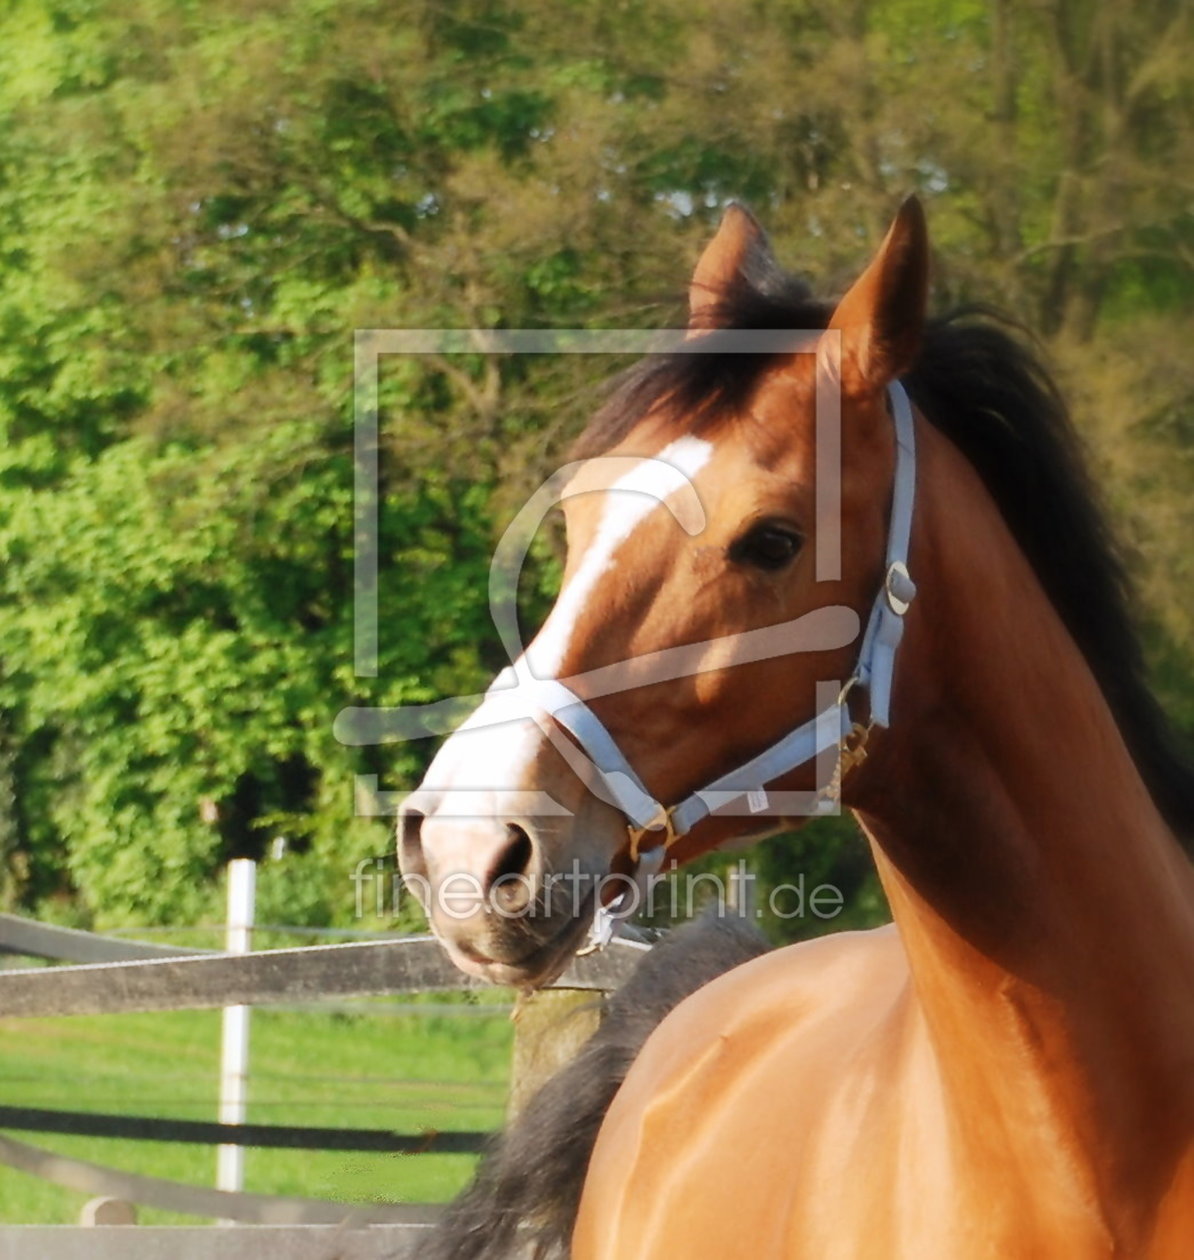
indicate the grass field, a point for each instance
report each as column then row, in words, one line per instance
column 368, row 1070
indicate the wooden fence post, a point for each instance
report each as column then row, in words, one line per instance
column 108, row 1211
column 550, row 1026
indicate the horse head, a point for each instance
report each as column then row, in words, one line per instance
column 726, row 522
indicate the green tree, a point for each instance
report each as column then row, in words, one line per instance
column 198, row 204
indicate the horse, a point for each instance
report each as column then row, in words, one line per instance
column 1006, row 1070
column 524, row 1195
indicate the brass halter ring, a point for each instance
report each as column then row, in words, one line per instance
column 665, row 824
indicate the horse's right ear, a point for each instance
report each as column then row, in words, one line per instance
column 882, row 317
column 722, row 267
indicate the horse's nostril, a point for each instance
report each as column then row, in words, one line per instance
column 410, row 844
column 509, row 889
column 448, row 863
column 516, row 857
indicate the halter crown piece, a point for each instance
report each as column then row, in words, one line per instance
column 653, row 827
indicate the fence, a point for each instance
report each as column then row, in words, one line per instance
column 107, row 976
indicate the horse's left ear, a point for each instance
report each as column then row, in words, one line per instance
column 882, row 317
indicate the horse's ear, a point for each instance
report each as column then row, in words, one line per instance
column 882, row 317
column 723, row 267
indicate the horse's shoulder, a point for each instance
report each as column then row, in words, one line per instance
column 834, row 987
column 751, row 1063
column 804, row 982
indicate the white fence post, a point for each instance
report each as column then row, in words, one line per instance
column 234, row 1057
column 740, row 895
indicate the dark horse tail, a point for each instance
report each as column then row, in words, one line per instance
column 525, row 1195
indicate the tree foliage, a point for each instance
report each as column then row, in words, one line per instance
column 199, row 203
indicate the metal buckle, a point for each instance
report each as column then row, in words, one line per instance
column 899, row 587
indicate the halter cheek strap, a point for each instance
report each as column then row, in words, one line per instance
column 876, row 659
column 653, row 828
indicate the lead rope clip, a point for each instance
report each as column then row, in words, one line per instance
column 851, row 751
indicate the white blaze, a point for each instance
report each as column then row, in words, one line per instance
column 497, row 756
column 629, row 501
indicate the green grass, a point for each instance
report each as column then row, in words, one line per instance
column 366, row 1070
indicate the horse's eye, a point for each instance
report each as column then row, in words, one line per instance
column 768, row 547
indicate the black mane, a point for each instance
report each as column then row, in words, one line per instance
column 979, row 382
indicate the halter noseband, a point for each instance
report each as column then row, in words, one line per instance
column 649, row 819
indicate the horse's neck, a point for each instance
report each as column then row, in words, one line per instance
column 1047, row 912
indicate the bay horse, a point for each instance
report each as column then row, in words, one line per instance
column 1008, row 1069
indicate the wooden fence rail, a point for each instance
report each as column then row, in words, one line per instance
column 181, row 1242
column 106, row 976
column 43, row 940
column 264, row 1136
column 87, row 1178
column 306, row 974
